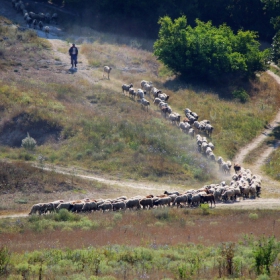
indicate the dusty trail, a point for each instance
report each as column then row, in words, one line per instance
column 269, row 184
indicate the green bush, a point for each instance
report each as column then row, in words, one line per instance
column 4, row 259
column 241, row 94
column 253, row 216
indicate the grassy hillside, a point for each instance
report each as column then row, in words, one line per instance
column 86, row 120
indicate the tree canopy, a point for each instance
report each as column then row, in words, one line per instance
column 207, row 51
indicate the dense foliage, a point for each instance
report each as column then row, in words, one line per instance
column 207, row 51
column 142, row 16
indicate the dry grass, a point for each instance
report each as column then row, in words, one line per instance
column 159, row 226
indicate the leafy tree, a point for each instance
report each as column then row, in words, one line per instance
column 273, row 6
column 207, row 51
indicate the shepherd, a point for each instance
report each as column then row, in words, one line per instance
column 73, row 52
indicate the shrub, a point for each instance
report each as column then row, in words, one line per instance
column 29, row 143
column 205, row 209
column 241, row 94
column 253, row 216
column 4, row 259
column 265, row 253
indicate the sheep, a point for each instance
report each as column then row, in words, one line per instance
column 174, row 118
column 212, row 156
column 143, row 82
column 155, row 92
column 121, row 205
column 170, row 193
column 163, row 96
column 65, row 205
column 29, row 21
column 228, row 195
column 166, row 109
column 211, row 145
column 162, row 201
column 40, row 24
column 191, row 133
column 107, row 70
column 147, row 87
column 147, row 203
column 132, row 92
column 209, row 129
column 236, row 167
column 184, row 126
column 35, row 22
column 195, row 200
column 157, row 101
column 226, row 167
column 185, row 198
column 125, row 87
column 36, row 208
column 89, row 206
column 47, row 30
column 105, row 206
column 77, row 207
column 47, row 18
column 132, row 203
column 140, row 93
column 145, row 103
column 208, row 198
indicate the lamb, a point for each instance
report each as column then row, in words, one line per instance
column 107, row 70
column 125, row 87
column 212, row 156
column 145, row 103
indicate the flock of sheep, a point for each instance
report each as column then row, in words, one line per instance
column 189, row 125
column 243, row 185
column 33, row 19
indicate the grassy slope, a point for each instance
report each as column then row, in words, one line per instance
column 103, row 130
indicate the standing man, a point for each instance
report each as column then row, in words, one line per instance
column 73, row 52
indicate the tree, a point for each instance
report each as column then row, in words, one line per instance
column 207, row 51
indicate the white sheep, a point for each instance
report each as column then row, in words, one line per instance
column 140, row 93
column 107, row 70
column 145, row 103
